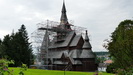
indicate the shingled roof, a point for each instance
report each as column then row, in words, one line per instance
column 87, row 54
column 75, row 53
column 56, row 53
column 65, row 43
column 75, row 40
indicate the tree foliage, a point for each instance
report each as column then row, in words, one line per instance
column 17, row 47
column 121, row 44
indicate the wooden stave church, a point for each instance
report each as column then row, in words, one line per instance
column 69, row 51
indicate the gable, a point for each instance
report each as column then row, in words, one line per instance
column 65, row 43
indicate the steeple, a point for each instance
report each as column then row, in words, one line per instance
column 87, row 44
column 63, row 18
column 87, row 52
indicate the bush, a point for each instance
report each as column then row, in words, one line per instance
column 22, row 69
column 4, row 66
column 110, row 68
column 128, row 71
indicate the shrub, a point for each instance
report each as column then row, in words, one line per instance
column 4, row 66
column 22, row 69
column 110, row 68
column 128, row 71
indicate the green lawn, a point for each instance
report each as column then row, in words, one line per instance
column 53, row 72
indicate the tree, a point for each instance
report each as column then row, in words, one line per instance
column 17, row 47
column 6, row 46
column 1, row 51
column 121, row 44
column 23, row 47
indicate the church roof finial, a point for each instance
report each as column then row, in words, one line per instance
column 63, row 19
column 86, row 36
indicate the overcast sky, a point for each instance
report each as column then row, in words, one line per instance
column 100, row 17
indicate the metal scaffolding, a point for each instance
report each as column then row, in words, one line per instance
column 44, row 34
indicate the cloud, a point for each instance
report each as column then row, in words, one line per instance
column 100, row 17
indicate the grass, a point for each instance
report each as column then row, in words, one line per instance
column 53, row 72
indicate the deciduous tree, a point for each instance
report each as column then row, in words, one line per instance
column 121, row 44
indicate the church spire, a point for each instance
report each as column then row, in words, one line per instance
column 87, row 44
column 63, row 18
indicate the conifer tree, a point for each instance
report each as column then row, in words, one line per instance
column 22, row 47
column 5, row 46
column 17, row 47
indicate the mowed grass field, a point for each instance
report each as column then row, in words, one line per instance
column 53, row 72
